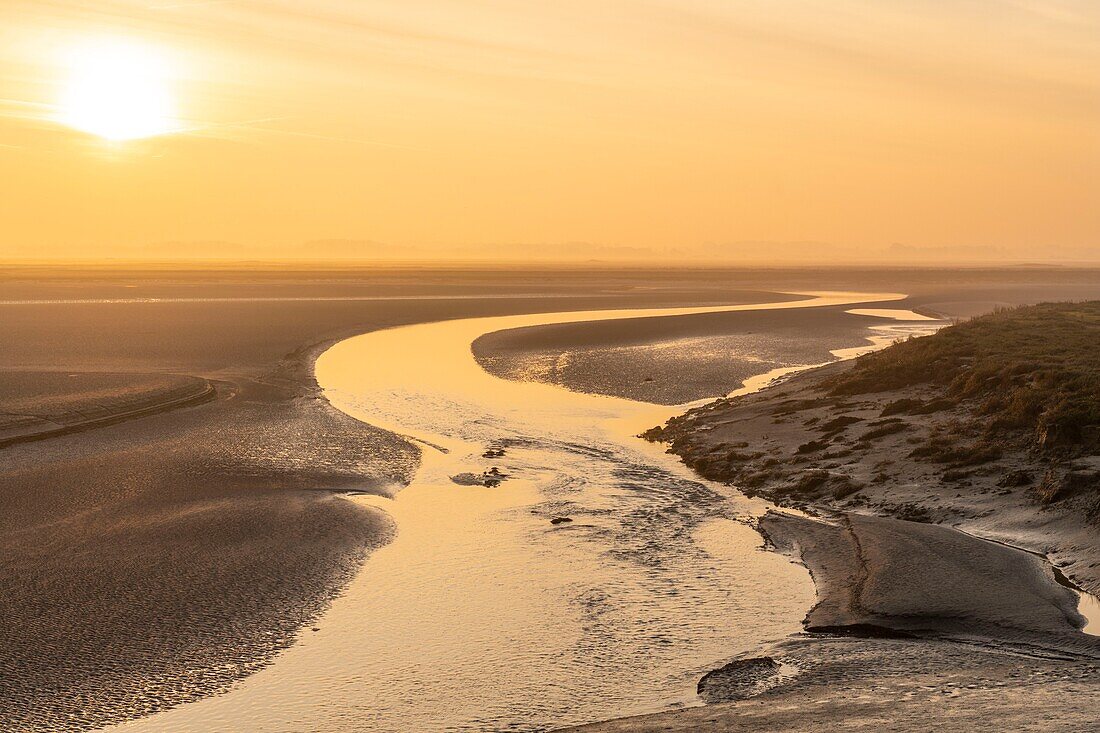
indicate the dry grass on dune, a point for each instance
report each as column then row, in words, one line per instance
column 1034, row 369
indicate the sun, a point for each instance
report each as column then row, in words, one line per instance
column 117, row 90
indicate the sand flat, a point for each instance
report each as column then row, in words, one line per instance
column 162, row 557
column 154, row 560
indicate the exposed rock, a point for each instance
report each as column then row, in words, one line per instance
column 844, row 486
column 491, row 478
column 737, row 680
column 911, row 512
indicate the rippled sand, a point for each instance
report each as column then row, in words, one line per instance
column 155, row 561
column 495, row 617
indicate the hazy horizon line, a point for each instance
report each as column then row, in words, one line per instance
column 675, row 263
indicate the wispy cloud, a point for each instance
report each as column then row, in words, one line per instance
column 258, row 126
column 183, row 5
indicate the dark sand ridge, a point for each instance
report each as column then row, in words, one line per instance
column 39, row 405
column 881, row 575
column 152, row 561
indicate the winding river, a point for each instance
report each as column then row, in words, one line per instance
column 489, row 611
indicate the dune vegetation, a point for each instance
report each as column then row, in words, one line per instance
column 1032, row 371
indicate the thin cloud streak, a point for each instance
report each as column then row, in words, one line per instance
column 180, row 6
column 254, row 126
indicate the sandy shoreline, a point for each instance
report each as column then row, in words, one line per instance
column 671, row 360
column 843, row 455
column 162, row 557
column 895, row 596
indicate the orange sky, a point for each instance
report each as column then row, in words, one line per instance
column 742, row 129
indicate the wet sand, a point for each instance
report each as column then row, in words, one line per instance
column 150, row 562
column 671, row 360
column 153, row 560
column 896, row 685
column 40, row 405
column 157, row 559
column 958, row 615
column 682, row 359
column 916, row 627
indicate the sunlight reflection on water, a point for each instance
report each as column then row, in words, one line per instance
column 482, row 614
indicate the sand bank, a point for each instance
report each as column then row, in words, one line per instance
column 686, row 358
column 917, row 627
column 670, row 360
column 39, row 405
column 156, row 559
column 999, row 618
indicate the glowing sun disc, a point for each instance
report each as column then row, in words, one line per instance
column 117, row 91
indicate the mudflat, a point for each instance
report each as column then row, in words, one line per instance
column 917, row 628
column 183, row 511
column 680, row 359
